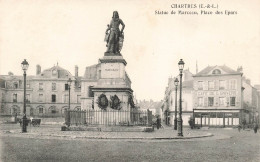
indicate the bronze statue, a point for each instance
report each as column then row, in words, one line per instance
column 114, row 37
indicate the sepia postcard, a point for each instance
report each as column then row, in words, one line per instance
column 129, row 80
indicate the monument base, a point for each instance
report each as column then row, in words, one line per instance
column 112, row 54
column 113, row 59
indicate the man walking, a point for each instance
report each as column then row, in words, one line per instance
column 255, row 127
column 158, row 122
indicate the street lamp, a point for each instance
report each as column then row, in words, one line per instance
column 176, row 81
column 69, row 84
column 25, row 66
column 181, row 66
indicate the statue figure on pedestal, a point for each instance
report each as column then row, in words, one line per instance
column 114, row 37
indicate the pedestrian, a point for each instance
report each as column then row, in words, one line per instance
column 158, row 123
column 239, row 127
column 244, row 123
column 255, row 127
column 30, row 121
column 15, row 118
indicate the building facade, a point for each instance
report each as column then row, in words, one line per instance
column 257, row 116
column 218, row 99
column 47, row 92
column 250, row 100
column 169, row 100
column 216, row 96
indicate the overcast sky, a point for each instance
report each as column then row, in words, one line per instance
column 72, row 33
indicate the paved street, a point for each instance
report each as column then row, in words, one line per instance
column 243, row 146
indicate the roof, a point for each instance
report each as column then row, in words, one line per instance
column 15, row 77
column 57, row 71
column 209, row 71
column 257, row 86
column 48, row 73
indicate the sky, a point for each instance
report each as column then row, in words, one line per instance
column 47, row 32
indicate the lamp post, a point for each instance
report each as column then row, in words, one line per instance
column 25, row 66
column 181, row 66
column 69, row 84
column 176, row 81
column 68, row 112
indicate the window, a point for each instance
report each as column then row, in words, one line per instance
column 14, row 97
column 54, row 72
column 211, row 85
column 90, row 91
column 28, row 98
column 221, row 101
column 232, row 101
column 15, row 85
column 200, row 85
column 66, row 87
column 233, row 84
column 222, row 84
column 40, row 86
column 52, row 110
column 210, row 101
column 41, row 110
column 200, row 99
column 40, row 97
column 66, row 98
column 78, row 98
column 216, row 71
column 27, row 85
column 53, row 86
column 53, row 98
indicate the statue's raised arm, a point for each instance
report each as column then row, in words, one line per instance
column 114, row 37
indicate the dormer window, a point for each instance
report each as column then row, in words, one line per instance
column 54, row 72
column 216, row 71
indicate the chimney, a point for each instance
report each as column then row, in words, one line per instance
column 248, row 81
column 240, row 69
column 76, row 71
column 38, row 69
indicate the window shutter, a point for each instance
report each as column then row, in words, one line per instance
column 227, row 84
column 227, row 101
column 205, row 102
column 216, row 102
column 235, row 84
column 237, row 101
column 205, row 85
column 195, row 85
column 216, row 84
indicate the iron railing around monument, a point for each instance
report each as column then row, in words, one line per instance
column 75, row 117
column 109, row 117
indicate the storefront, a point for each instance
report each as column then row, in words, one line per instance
column 219, row 117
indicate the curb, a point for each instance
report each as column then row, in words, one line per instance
column 119, row 138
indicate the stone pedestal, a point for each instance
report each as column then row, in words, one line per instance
column 113, row 80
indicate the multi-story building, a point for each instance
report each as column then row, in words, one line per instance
column 215, row 96
column 47, row 92
column 250, row 99
column 218, row 97
column 169, row 100
column 257, row 116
